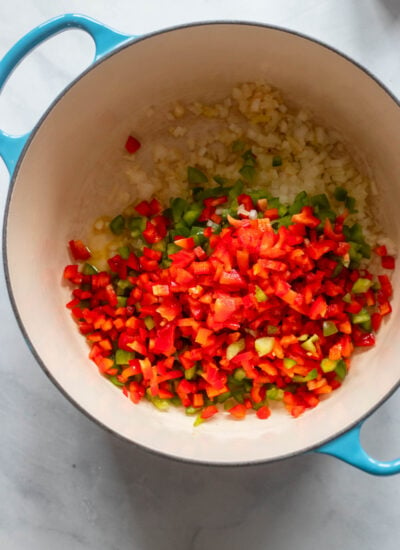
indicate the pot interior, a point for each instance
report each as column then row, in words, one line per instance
column 61, row 185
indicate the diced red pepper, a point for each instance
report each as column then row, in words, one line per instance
column 132, row 145
column 208, row 412
column 238, row 411
column 263, row 412
column 376, row 320
column 381, row 250
column 164, row 341
column 388, row 262
column 150, row 233
column 246, row 201
column 79, row 251
column 306, row 217
column 249, row 281
column 144, row 209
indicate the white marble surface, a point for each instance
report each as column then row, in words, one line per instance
column 65, row 484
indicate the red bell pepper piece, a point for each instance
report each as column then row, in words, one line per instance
column 263, row 412
column 318, row 308
column 208, row 412
column 271, row 213
column 306, row 217
column 238, row 411
column 247, row 201
column 132, row 145
column 155, row 207
column 78, row 250
column 150, row 233
column 232, row 279
column 381, row 250
column 376, row 320
column 144, row 209
column 164, row 341
column 388, row 262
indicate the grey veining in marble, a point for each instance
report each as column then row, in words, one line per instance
column 65, row 484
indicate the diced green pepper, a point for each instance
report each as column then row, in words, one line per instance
column 121, row 301
column 122, row 286
column 223, row 397
column 238, row 395
column 271, row 330
column 340, row 194
column 137, row 223
column 275, row 394
column 178, row 207
column 328, row 365
column 264, row 345
column 124, row 252
column 182, row 229
column 161, row 404
column 117, row 225
column 310, row 376
column 233, row 349
column 350, row 203
column 172, row 248
column 260, row 295
column 135, row 233
column 195, row 176
column 116, row 382
column 235, row 190
column 308, row 345
column 149, row 322
column 198, row 421
column 192, row 410
column 249, row 158
column 229, row 403
column 329, row 328
column 284, row 221
column 361, row 286
column 192, row 214
column 301, row 200
column 341, row 369
column 338, row 269
column 238, row 146
column 277, row 160
column 190, row 373
column 354, row 233
column 247, row 172
column 89, row 269
column 366, row 325
column 321, row 202
column 239, row 374
column 288, row 363
column 361, row 317
column 123, row 357
column 165, row 263
column 365, row 250
column 160, row 246
column 220, row 180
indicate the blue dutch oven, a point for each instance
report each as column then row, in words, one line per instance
column 55, row 170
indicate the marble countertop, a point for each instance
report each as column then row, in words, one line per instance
column 66, row 484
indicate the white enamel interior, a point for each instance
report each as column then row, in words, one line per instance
column 50, row 204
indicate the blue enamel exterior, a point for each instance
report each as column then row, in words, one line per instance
column 346, row 447
column 105, row 40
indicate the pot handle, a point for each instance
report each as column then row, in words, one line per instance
column 347, row 447
column 105, row 40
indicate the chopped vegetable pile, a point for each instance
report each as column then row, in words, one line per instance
column 231, row 300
